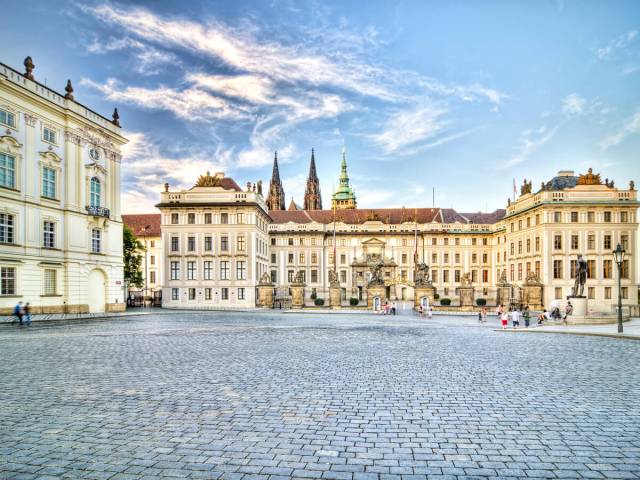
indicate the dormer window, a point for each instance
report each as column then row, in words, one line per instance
column 8, row 118
column 49, row 135
column 94, row 154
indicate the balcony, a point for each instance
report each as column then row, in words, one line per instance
column 97, row 211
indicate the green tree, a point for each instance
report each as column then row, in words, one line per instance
column 132, row 259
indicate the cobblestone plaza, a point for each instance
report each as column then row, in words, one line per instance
column 335, row 396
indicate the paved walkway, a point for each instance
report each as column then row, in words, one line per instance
column 63, row 317
column 268, row 396
column 631, row 330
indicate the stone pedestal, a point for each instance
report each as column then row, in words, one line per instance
column 373, row 292
column 334, row 296
column 265, row 296
column 297, row 295
column 466, row 296
column 420, row 292
column 579, row 306
column 504, row 295
column 532, row 296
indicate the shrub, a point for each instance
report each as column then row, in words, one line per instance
column 445, row 301
column 313, row 295
column 481, row 302
column 436, row 296
column 353, row 301
column 319, row 301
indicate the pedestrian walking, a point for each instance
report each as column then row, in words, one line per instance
column 430, row 313
column 394, row 307
column 18, row 312
column 504, row 319
column 515, row 317
column 526, row 316
column 484, row 314
column 480, row 316
column 27, row 314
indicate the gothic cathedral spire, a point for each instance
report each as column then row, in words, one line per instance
column 312, row 197
column 275, row 199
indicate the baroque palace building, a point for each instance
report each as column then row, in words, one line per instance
column 220, row 242
column 60, row 225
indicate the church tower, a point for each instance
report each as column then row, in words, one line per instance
column 344, row 197
column 275, row 199
column 312, row 197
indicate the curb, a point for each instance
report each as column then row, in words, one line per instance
column 584, row 334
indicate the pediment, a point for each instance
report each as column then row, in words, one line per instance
column 10, row 141
column 51, row 156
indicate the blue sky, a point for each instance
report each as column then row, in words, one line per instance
column 460, row 96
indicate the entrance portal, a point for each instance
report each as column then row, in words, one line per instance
column 96, row 286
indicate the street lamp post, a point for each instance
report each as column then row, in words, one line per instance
column 144, row 293
column 618, row 255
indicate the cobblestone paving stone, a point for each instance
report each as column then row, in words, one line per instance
column 259, row 396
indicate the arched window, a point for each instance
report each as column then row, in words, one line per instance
column 95, row 192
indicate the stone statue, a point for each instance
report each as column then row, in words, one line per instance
column 422, row 275
column 526, row 187
column 265, row 279
column 299, row 278
column 502, row 281
column 589, row 178
column 465, row 281
column 581, row 277
column 333, row 278
column 632, row 185
column 376, row 273
column 532, row 279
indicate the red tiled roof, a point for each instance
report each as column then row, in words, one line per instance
column 230, row 184
column 485, row 218
column 357, row 216
column 138, row 222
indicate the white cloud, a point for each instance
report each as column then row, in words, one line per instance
column 148, row 60
column 530, row 142
column 573, row 104
column 619, row 43
column 630, row 126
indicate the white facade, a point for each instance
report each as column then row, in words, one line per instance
column 60, row 225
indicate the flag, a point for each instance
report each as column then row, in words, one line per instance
column 515, row 189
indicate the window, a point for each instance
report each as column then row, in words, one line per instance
column 434, row 275
column 607, row 217
column 50, row 281
column 607, row 293
column 49, row 235
column 152, row 259
column 152, row 243
column 273, row 258
column 537, row 244
column 241, row 243
column 557, row 269
column 6, row 228
column 445, row 276
column 528, row 245
column 241, row 270
column 485, row 276
column 49, row 135
column 557, row 217
column 207, row 293
column 314, row 258
column 474, row 241
column 624, row 217
column 624, row 241
column 191, row 244
column 224, row 243
column 607, row 269
column 207, row 270
column 624, row 269
column 512, row 272
column 434, row 240
column 574, row 242
column 607, row 242
column 191, row 270
column 591, row 241
column 241, row 293
column 175, row 294
column 290, row 258
column 446, row 241
column 175, row 244
column 474, row 258
column 519, row 247
column 207, row 218
column 457, row 258
column 7, row 118
column 273, row 241
column 538, row 268
column 175, row 219
column 591, row 269
column 290, row 276
column 343, row 259
column 175, row 270
column 48, row 182
column 152, row 277
column 96, row 239
column 404, row 258
column 591, row 217
column 314, row 276
column 239, row 218
column 557, row 242
column 485, row 242
column 446, row 258
column 624, row 292
column 192, row 294
column 301, row 258
column 343, row 276
column 7, row 280
column 224, row 293
column 558, row 293
column 224, row 218
column 224, row 270
column 7, row 171
column 290, row 241
column 512, row 249
column 208, row 244
column 574, row 217
column 191, row 218
column 485, row 258
column 434, row 258
column 274, row 276
column 95, row 192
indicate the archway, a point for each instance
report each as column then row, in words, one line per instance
column 97, row 286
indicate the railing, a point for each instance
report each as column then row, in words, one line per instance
column 97, row 211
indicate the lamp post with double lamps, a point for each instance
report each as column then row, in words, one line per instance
column 618, row 256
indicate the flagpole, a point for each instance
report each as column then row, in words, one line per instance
column 335, row 264
column 415, row 243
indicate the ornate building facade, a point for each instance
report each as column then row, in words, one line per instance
column 535, row 240
column 146, row 227
column 60, row 224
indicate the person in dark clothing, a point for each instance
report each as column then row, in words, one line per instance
column 18, row 312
